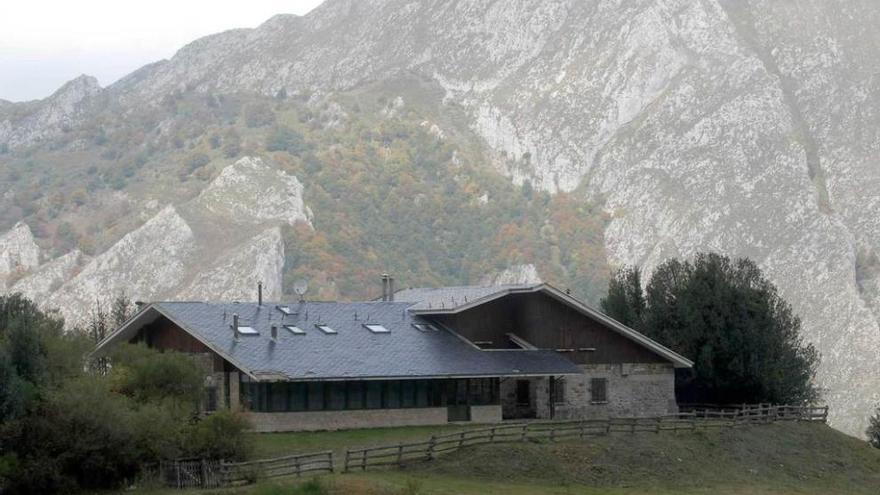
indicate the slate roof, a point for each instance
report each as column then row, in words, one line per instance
column 354, row 352
column 432, row 298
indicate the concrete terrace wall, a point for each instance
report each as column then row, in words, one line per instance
column 341, row 420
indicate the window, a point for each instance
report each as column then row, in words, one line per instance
column 316, row 396
column 326, row 329
column 296, row 396
column 599, row 390
column 355, row 395
column 558, row 391
column 295, row 329
column 424, row 327
column 286, row 310
column 212, row 399
column 335, row 399
column 377, row 328
column 374, row 394
column 248, row 331
column 523, row 393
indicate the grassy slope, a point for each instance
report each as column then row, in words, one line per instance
column 778, row 459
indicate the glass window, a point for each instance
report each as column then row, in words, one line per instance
column 377, row 328
column 424, row 327
column 374, row 394
column 355, row 395
column 295, row 329
column 276, row 396
column 392, row 394
column 297, row 396
column 316, row 396
column 599, row 390
column 336, row 397
column 559, row 390
column 326, row 329
column 248, row 331
column 286, row 310
column 422, row 392
column 408, row 393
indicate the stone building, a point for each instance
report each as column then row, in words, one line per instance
column 415, row 357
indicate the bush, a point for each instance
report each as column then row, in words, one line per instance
column 258, row 115
column 873, row 431
column 221, row 435
column 284, row 138
column 149, row 375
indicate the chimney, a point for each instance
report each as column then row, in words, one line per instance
column 390, row 288
column 275, row 332
column 259, row 293
column 235, row 325
column 385, row 280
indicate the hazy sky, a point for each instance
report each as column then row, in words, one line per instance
column 45, row 43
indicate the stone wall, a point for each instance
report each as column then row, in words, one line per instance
column 341, row 420
column 632, row 390
column 486, row 414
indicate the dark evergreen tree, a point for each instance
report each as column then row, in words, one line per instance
column 625, row 301
column 730, row 320
column 873, row 430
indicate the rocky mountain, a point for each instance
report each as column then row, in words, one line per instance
column 574, row 135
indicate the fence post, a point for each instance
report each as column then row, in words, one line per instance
column 460, row 439
column 364, row 460
column 297, row 466
column 492, row 436
column 583, row 427
column 400, row 455
column 432, row 444
column 552, row 433
column 204, row 477
column 177, row 465
column 524, row 432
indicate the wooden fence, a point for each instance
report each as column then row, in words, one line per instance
column 704, row 417
column 213, row 474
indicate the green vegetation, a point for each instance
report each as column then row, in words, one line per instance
column 404, row 188
column 730, row 320
column 69, row 423
column 781, row 459
column 873, row 431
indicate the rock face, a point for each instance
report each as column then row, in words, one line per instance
column 249, row 191
column 18, row 253
column 750, row 128
column 517, row 274
column 165, row 257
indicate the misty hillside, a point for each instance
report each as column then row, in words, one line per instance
column 451, row 141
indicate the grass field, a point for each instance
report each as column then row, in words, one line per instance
column 785, row 458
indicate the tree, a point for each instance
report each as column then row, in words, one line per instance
column 625, row 301
column 283, row 138
column 730, row 320
column 873, row 430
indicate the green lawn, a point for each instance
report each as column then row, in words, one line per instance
column 785, row 459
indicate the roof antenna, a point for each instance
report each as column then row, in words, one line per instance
column 301, row 286
column 260, row 293
column 355, row 316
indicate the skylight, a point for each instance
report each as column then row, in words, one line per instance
column 248, row 331
column 377, row 328
column 326, row 329
column 295, row 329
column 286, row 310
column 425, row 327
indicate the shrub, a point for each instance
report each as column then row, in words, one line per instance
column 283, row 138
column 221, row 435
column 149, row 375
column 873, row 431
column 258, row 115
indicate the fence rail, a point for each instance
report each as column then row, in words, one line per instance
column 195, row 473
column 705, row 417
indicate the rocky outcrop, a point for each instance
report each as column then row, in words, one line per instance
column 516, row 274
column 27, row 123
column 44, row 280
column 235, row 274
column 146, row 264
column 250, row 191
column 18, row 253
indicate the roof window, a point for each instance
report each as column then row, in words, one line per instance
column 248, row 331
column 286, row 310
column 424, row 327
column 326, row 329
column 295, row 329
column 376, row 328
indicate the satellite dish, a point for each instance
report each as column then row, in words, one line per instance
column 301, row 286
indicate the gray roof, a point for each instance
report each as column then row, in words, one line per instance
column 429, row 298
column 354, row 352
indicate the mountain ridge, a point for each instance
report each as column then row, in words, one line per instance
column 695, row 125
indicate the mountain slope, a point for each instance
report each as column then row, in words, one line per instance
column 641, row 130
